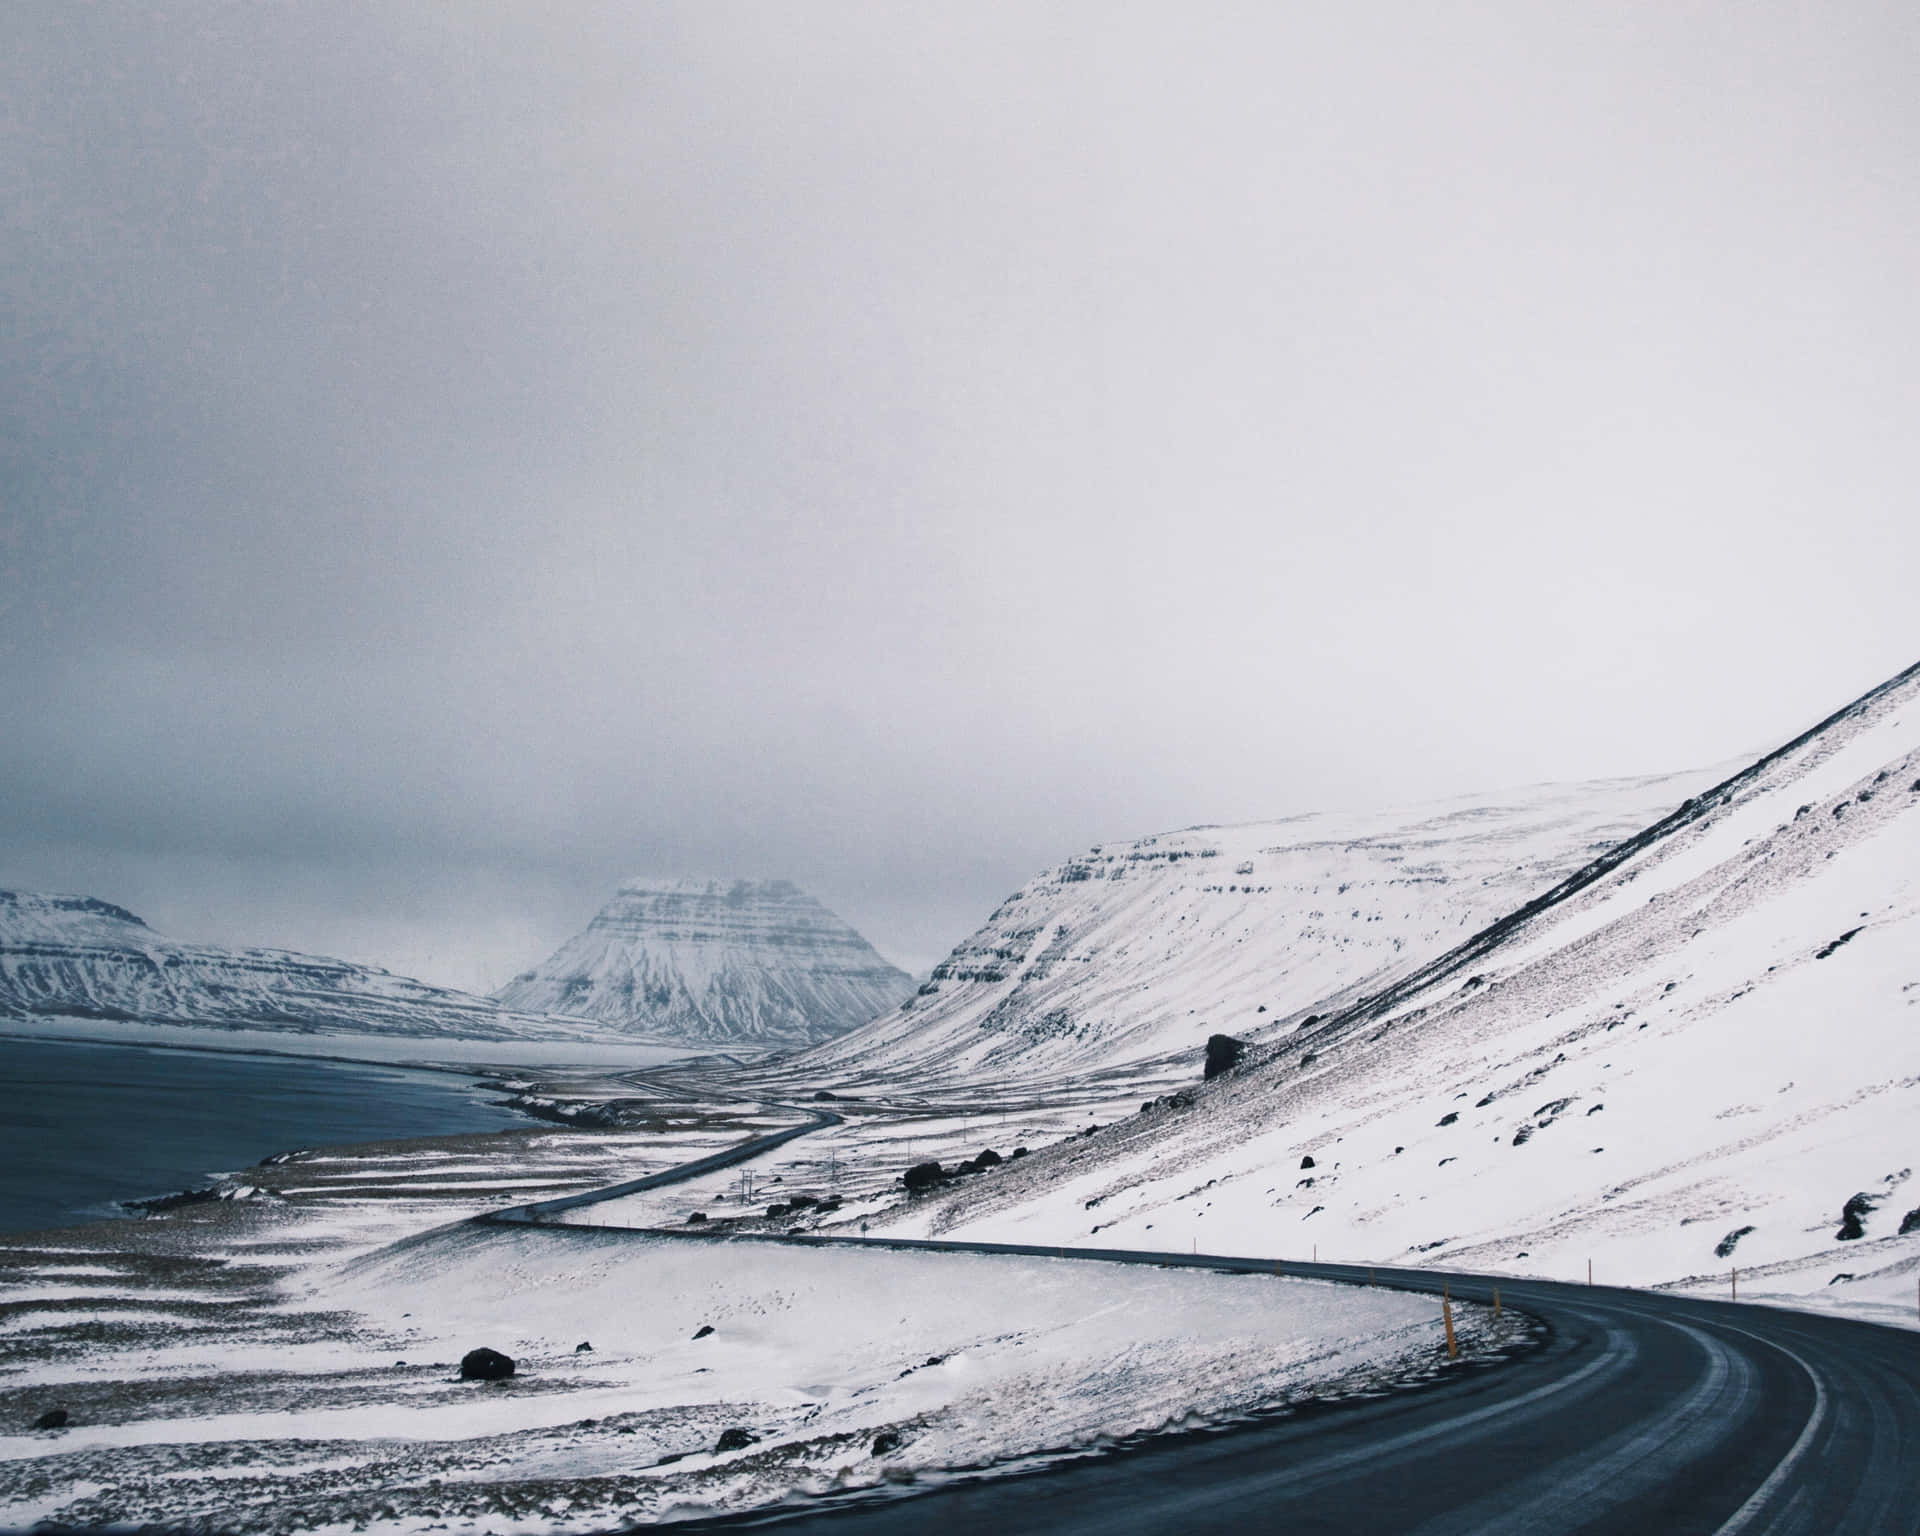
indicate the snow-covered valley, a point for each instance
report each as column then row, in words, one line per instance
column 1661, row 1027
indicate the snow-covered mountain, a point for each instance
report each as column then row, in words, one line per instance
column 1136, row 950
column 742, row 962
column 1702, row 1050
column 78, row 957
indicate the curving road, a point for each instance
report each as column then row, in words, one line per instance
column 1639, row 1414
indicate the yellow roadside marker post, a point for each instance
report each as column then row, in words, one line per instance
column 1446, row 1312
column 1496, row 1301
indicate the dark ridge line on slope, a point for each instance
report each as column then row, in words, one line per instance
column 1497, row 932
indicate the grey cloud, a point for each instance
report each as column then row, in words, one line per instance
column 454, row 457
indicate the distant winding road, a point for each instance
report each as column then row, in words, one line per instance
column 1642, row 1414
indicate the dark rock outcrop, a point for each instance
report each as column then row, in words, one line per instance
column 735, row 1438
column 922, row 1177
column 485, row 1365
column 1724, row 1248
column 1224, row 1053
column 1910, row 1222
column 1853, row 1217
column 53, row 1418
column 704, row 1331
column 886, row 1442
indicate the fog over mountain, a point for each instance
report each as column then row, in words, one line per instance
column 452, row 459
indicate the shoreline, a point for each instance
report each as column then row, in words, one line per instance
column 254, row 1047
column 87, row 1194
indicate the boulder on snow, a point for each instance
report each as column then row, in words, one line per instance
column 696, row 1218
column 923, row 1176
column 734, row 1439
column 1910, row 1222
column 1223, row 1055
column 886, row 1442
column 987, row 1159
column 485, row 1365
column 1853, row 1215
column 705, row 1329
column 583, row 1348
column 1724, row 1248
column 53, row 1418
column 1307, row 1161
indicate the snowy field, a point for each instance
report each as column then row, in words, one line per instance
column 851, row 1369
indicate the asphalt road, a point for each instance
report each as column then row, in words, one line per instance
column 1639, row 1414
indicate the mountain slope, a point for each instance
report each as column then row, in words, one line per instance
column 1701, row 1050
column 1137, row 950
column 75, row 956
column 746, row 962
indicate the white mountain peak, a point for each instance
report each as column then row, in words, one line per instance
column 716, row 961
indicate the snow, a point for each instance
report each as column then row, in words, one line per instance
column 750, row 962
column 1134, row 952
column 68, row 958
column 1677, row 1052
column 971, row 1360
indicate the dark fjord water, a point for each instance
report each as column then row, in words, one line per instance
column 82, row 1126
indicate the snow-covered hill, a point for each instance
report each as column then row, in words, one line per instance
column 1702, row 1051
column 1136, row 950
column 78, row 957
column 744, row 962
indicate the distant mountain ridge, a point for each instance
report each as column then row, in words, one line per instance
column 748, row 962
column 64, row 956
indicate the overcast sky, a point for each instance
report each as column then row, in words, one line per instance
column 454, row 456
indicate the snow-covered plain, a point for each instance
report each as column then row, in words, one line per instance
column 341, row 1407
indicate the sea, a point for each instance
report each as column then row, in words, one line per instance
column 83, row 1127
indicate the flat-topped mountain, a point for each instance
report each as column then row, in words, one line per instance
column 755, row 962
column 79, row 957
column 1696, row 1051
column 1135, row 950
